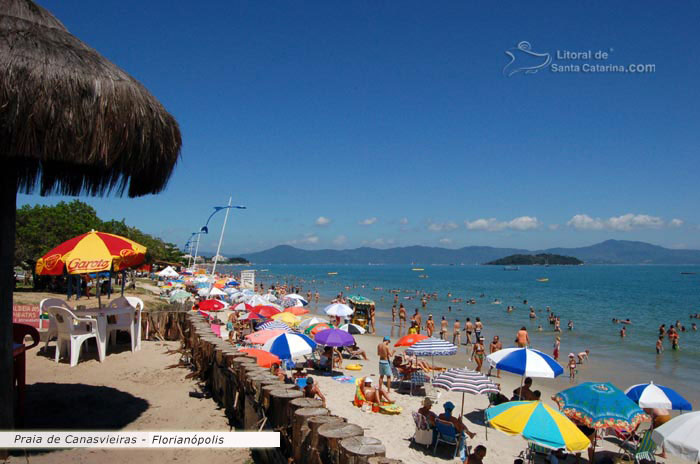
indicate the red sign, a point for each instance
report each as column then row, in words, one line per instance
column 26, row 314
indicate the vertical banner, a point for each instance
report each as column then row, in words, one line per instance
column 248, row 279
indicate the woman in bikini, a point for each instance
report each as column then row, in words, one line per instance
column 478, row 353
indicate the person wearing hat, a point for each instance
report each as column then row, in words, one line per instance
column 458, row 425
column 385, row 353
column 311, row 390
column 427, row 413
column 372, row 394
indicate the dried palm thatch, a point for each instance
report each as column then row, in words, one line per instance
column 70, row 120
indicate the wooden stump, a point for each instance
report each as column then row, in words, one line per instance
column 267, row 389
column 300, row 428
column 279, row 401
column 311, row 445
column 383, row 460
column 303, row 403
column 330, row 436
column 358, row 450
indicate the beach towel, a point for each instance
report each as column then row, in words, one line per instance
column 344, row 378
column 383, row 407
column 216, row 328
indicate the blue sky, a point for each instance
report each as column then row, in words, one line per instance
column 342, row 124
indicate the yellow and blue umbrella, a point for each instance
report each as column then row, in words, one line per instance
column 539, row 423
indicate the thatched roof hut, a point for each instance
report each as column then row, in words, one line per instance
column 70, row 122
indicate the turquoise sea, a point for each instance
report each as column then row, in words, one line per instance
column 590, row 295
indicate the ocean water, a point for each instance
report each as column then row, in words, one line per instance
column 590, row 295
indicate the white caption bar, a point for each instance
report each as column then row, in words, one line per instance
column 87, row 439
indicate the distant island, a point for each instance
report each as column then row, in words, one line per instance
column 540, row 259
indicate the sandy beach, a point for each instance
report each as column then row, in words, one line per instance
column 128, row 391
column 395, row 431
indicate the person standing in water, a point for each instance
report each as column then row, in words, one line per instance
column 557, row 344
column 456, row 334
column 402, row 315
column 660, row 345
column 393, row 314
column 443, row 328
column 419, row 320
column 430, row 325
column 469, row 327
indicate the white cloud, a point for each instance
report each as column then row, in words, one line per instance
column 442, row 227
column 368, row 221
column 585, row 222
column 553, row 226
column 323, row 221
column 403, row 221
column 493, row 225
column 340, row 240
column 676, row 222
column 626, row 222
column 445, row 241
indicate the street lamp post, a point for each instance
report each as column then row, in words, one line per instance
column 205, row 230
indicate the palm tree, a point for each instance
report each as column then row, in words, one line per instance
column 71, row 122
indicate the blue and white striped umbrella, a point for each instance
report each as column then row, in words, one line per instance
column 290, row 346
column 293, row 299
column 525, row 362
column 275, row 325
column 650, row 395
column 432, row 347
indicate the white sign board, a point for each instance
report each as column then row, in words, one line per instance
column 248, row 279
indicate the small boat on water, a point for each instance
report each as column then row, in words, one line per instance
column 332, row 273
column 688, row 273
column 543, row 279
column 418, row 269
column 510, row 268
column 423, row 276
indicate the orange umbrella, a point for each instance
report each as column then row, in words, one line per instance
column 262, row 336
column 264, row 358
column 297, row 310
column 319, row 327
column 408, row 340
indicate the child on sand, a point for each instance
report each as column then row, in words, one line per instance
column 572, row 367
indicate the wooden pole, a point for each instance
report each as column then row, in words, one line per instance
column 329, row 440
column 311, row 448
column 8, row 214
column 300, row 428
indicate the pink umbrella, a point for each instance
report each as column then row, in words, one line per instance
column 262, row 336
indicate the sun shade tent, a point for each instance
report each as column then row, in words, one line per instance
column 168, row 272
column 71, row 122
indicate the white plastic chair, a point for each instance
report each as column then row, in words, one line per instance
column 46, row 303
column 72, row 332
column 129, row 322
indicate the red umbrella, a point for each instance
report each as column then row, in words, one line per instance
column 251, row 316
column 408, row 340
column 211, row 305
column 243, row 307
column 266, row 311
column 264, row 358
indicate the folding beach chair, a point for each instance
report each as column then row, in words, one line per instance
column 446, row 433
column 534, row 450
column 418, row 379
column 645, row 449
column 398, row 376
column 423, row 434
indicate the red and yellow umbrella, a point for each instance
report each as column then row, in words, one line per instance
column 410, row 339
column 91, row 252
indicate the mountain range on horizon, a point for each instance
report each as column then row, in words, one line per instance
column 607, row 252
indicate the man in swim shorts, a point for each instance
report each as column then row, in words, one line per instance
column 385, row 353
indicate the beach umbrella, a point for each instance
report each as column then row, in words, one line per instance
column 432, row 347
column 168, row 272
column 680, row 436
column 179, row 295
column 465, row 381
column 72, row 123
column 275, row 325
column 207, row 292
column 539, row 423
column 243, row 307
column 266, row 311
column 316, row 328
column 353, row 329
column 290, row 346
column 650, row 395
column 250, row 316
column 525, row 362
column 211, row 305
column 256, row 300
column 269, row 297
column 293, row 300
column 262, row 336
column 600, row 405
column 296, row 310
column 263, row 358
column 306, row 323
column 334, row 337
column 410, row 339
column 338, row 309
column 289, row 319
